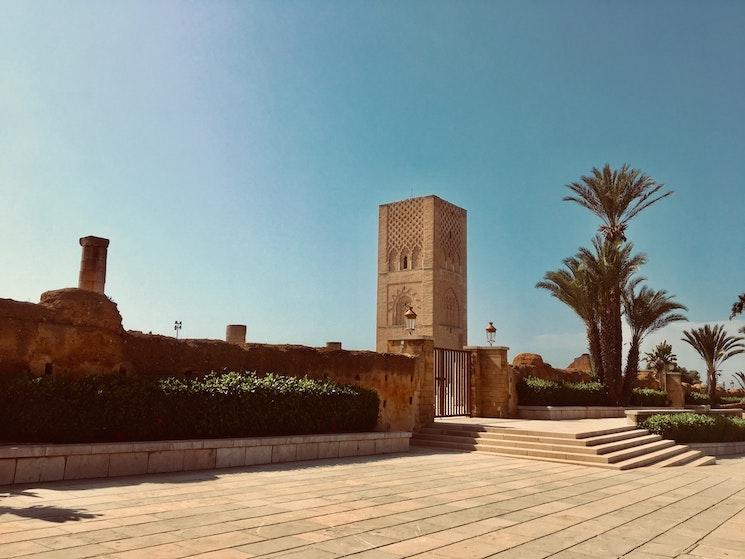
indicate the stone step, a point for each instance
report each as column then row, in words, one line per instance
column 680, row 459
column 641, row 450
column 492, row 429
column 619, row 448
column 703, row 461
column 545, row 437
column 554, row 445
column 651, row 457
column 507, row 452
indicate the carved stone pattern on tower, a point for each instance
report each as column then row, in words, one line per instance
column 405, row 230
column 451, row 232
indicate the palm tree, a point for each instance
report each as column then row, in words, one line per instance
column 611, row 266
column 573, row 287
column 646, row 311
column 661, row 357
column 616, row 196
column 714, row 346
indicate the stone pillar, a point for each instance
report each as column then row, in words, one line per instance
column 674, row 389
column 235, row 334
column 93, row 264
column 423, row 348
column 491, row 393
column 333, row 346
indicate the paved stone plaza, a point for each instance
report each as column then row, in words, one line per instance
column 424, row 504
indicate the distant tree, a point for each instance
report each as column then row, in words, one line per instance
column 738, row 306
column 647, row 310
column 691, row 377
column 714, row 346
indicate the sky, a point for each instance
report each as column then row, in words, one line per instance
column 235, row 153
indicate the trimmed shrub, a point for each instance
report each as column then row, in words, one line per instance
column 731, row 399
column 648, row 397
column 696, row 428
column 122, row 408
column 696, row 398
column 533, row 391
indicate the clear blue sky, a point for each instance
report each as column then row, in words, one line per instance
column 235, row 153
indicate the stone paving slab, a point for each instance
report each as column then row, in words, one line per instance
column 427, row 503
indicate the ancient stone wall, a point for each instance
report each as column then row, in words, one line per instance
column 74, row 332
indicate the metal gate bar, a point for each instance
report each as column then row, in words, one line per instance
column 452, row 386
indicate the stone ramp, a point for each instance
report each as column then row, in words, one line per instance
column 614, row 446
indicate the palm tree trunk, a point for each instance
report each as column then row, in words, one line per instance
column 711, row 374
column 596, row 353
column 632, row 367
column 611, row 340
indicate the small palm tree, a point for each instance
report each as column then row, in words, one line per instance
column 661, row 359
column 646, row 311
column 616, row 196
column 714, row 346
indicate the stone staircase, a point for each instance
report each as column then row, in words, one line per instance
column 619, row 448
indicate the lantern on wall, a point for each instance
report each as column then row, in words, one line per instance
column 491, row 333
column 410, row 320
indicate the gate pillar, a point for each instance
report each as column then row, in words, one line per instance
column 423, row 390
column 492, row 393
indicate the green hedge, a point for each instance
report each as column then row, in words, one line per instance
column 696, row 398
column 699, row 399
column 122, row 408
column 696, row 428
column 648, row 397
column 533, row 391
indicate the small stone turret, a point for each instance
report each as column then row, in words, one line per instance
column 235, row 334
column 93, row 264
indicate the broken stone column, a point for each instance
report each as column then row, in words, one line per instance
column 235, row 334
column 93, row 264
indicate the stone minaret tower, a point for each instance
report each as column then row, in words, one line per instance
column 422, row 263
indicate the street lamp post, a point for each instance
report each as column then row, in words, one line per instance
column 177, row 327
column 491, row 334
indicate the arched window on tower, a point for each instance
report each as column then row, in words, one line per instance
column 415, row 259
column 405, row 259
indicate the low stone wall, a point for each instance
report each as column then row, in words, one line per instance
column 719, row 449
column 568, row 412
column 35, row 463
column 74, row 333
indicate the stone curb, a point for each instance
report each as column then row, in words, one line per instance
column 38, row 462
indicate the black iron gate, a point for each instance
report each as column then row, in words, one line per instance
column 452, row 386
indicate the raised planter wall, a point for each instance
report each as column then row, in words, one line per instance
column 719, row 449
column 568, row 412
column 31, row 463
